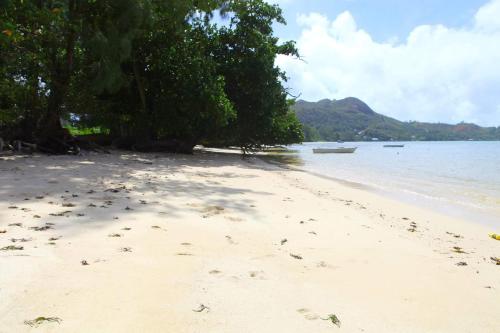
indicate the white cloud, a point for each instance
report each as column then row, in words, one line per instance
column 437, row 74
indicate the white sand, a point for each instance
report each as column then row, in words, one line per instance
column 217, row 242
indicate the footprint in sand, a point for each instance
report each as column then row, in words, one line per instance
column 321, row 264
column 233, row 218
column 257, row 275
column 230, row 240
column 307, row 314
column 212, row 211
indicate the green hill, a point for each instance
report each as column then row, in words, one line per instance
column 351, row 119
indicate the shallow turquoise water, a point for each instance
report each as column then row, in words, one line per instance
column 458, row 178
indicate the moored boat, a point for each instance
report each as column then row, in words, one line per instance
column 394, row 146
column 340, row 150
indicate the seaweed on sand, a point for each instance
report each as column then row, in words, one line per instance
column 61, row 213
column 45, row 227
column 333, row 318
column 201, row 308
column 22, row 240
column 458, row 249
column 40, row 320
column 11, row 248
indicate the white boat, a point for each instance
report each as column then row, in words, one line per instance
column 339, row 150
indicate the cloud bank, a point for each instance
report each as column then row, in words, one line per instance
column 437, row 74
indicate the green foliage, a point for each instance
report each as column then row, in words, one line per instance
column 145, row 71
column 246, row 55
column 352, row 120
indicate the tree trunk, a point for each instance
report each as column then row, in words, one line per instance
column 51, row 136
column 143, row 130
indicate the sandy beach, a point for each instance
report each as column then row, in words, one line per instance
column 213, row 243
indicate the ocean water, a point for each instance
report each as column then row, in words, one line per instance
column 461, row 179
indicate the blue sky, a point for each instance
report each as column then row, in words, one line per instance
column 426, row 60
column 384, row 19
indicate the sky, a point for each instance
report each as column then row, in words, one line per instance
column 424, row 60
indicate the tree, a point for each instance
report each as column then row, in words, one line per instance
column 246, row 56
column 153, row 74
column 173, row 97
column 47, row 48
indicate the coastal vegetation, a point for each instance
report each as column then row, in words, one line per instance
column 351, row 119
column 147, row 75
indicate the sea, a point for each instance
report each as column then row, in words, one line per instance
column 459, row 178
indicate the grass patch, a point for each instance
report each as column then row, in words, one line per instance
column 87, row 130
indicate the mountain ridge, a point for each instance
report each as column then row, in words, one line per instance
column 351, row 119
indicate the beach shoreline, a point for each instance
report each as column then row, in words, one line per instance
column 132, row 242
column 488, row 216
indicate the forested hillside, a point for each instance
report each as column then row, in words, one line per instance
column 147, row 75
column 350, row 119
